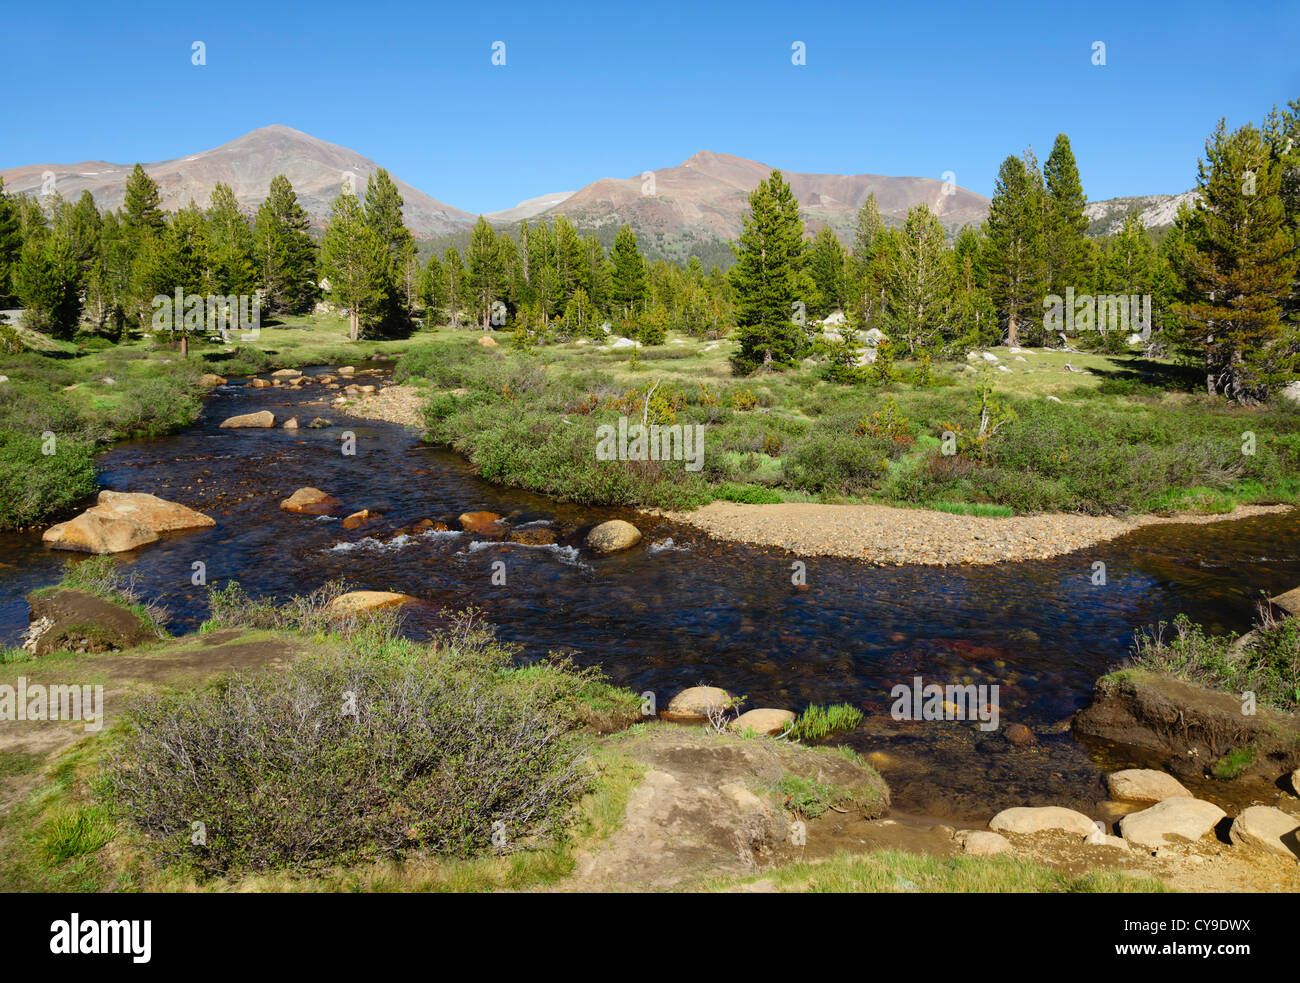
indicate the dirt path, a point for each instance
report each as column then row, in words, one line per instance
column 885, row 535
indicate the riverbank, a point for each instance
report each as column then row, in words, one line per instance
column 873, row 533
column 886, row 535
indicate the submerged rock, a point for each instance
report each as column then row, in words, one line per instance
column 310, row 501
column 483, row 522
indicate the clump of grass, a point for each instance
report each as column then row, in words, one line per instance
column 1265, row 662
column 818, row 722
column 811, row 799
column 74, row 832
column 230, row 606
column 1232, row 764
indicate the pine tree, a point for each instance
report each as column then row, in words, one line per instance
column 457, row 292
column 918, row 286
column 284, row 253
column 1067, row 250
column 355, row 260
column 433, row 292
column 485, row 273
column 825, row 262
column 766, row 277
column 11, row 244
column 142, row 213
column 629, row 279
column 1240, row 268
column 1014, row 239
column 48, row 281
column 228, row 245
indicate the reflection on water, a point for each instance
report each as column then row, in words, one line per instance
column 681, row 609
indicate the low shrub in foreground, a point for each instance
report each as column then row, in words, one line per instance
column 341, row 760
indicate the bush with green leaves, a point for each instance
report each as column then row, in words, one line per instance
column 34, row 484
column 1265, row 662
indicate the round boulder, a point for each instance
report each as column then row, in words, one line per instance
column 693, row 705
column 1268, row 829
column 982, row 842
column 92, row 532
column 612, row 536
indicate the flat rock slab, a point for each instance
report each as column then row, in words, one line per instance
column 150, row 511
column 1266, row 828
column 250, row 420
column 1168, row 821
column 1144, row 785
column 1041, row 819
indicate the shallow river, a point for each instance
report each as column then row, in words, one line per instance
column 680, row 609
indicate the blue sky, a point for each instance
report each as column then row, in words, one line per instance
column 594, row 90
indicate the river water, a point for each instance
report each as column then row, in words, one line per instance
column 681, row 610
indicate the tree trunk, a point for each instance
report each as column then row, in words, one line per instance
column 185, row 345
column 354, row 326
column 1013, row 332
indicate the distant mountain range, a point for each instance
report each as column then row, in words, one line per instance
column 693, row 208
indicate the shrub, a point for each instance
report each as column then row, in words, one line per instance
column 1265, row 662
column 342, row 760
column 837, row 462
column 34, row 484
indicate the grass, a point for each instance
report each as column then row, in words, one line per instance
column 895, row 872
column 1127, row 435
column 811, row 799
column 818, row 722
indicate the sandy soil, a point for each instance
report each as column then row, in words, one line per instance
column 885, row 535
